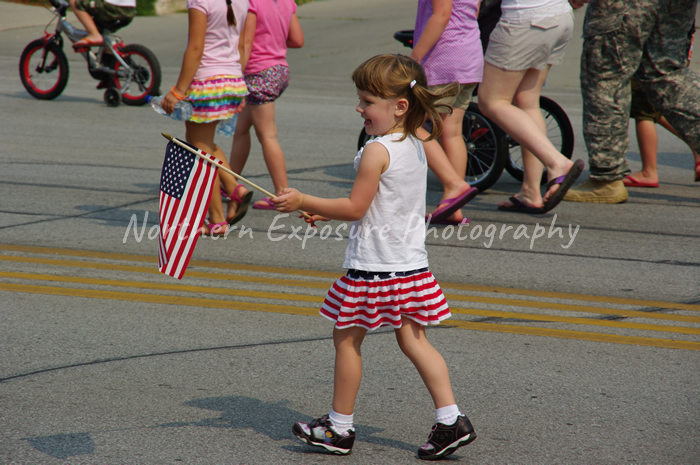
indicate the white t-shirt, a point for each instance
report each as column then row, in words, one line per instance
column 519, row 11
column 125, row 3
column 391, row 234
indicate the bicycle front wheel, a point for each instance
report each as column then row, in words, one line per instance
column 43, row 69
column 559, row 131
column 142, row 80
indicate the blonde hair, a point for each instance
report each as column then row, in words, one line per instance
column 392, row 76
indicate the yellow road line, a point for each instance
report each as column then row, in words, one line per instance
column 574, row 308
column 579, row 335
column 576, row 321
column 154, row 259
column 164, row 287
column 213, row 303
column 300, row 272
column 568, row 296
column 158, row 299
column 319, row 299
column 326, row 285
column 154, row 270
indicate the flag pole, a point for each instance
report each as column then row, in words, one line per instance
column 235, row 175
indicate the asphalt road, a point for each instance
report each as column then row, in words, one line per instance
column 574, row 349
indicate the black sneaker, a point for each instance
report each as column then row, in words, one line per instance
column 445, row 439
column 322, row 433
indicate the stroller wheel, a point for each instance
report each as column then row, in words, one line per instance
column 112, row 97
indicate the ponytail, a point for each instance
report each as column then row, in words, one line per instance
column 229, row 14
column 398, row 76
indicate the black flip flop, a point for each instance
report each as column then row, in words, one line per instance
column 565, row 182
column 518, row 206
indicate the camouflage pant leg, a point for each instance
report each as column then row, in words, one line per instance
column 615, row 33
column 671, row 87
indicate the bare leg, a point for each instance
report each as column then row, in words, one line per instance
column 496, row 96
column 452, row 183
column 201, row 135
column 348, row 368
column 240, row 147
column 263, row 117
column 427, row 360
column 87, row 21
column 696, row 155
column 648, row 141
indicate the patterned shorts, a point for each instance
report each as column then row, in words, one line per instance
column 371, row 300
column 215, row 98
column 267, row 85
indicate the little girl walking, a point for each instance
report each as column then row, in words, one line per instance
column 211, row 79
column 271, row 27
column 388, row 282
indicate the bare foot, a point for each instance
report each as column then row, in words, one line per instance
column 643, row 177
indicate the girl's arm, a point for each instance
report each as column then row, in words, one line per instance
column 442, row 10
column 374, row 161
column 295, row 38
column 247, row 37
column 192, row 58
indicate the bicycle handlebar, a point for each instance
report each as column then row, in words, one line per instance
column 60, row 5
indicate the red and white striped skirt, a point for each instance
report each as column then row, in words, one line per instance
column 371, row 300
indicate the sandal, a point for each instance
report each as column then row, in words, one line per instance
column 565, row 182
column 448, row 206
column 214, row 227
column 269, row 206
column 243, row 203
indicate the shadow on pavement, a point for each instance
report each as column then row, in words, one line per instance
column 246, row 413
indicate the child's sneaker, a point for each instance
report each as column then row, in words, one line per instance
column 322, row 433
column 445, row 439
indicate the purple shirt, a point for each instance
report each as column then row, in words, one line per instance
column 457, row 55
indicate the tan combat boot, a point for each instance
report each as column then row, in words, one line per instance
column 593, row 191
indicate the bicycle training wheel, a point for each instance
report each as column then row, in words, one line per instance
column 43, row 69
column 559, row 131
column 487, row 149
column 144, row 77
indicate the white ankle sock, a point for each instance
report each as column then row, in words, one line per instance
column 341, row 422
column 447, row 415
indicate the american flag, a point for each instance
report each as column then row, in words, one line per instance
column 185, row 190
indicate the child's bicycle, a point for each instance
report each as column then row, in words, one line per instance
column 490, row 150
column 128, row 73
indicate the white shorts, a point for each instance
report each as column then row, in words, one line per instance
column 531, row 44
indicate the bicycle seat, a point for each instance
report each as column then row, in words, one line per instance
column 405, row 37
column 112, row 26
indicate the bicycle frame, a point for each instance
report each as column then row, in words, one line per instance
column 112, row 45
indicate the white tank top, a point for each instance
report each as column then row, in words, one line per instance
column 391, row 234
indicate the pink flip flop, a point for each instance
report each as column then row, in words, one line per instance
column 629, row 181
column 453, row 204
column 269, row 206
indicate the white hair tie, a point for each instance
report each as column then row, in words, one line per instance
column 413, row 83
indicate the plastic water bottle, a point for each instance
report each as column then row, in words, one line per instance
column 227, row 127
column 181, row 112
